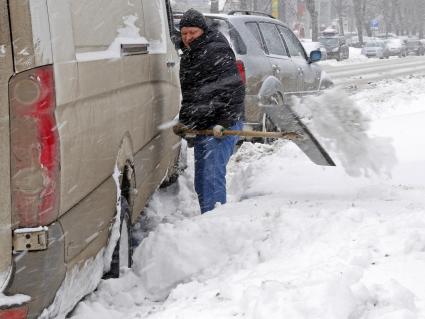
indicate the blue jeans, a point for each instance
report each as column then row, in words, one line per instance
column 211, row 158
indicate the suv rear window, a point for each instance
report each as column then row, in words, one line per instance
column 253, row 27
column 229, row 32
column 273, row 40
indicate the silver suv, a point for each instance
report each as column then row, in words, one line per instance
column 272, row 61
column 84, row 88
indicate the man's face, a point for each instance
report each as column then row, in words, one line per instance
column 190, row 34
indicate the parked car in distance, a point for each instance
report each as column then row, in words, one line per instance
column 415, row 47
column 336, row 47
column 83, row 95
column 396, row 47
column 312, row 46
column 272, row 61
column 355, row 42
column 376, row 49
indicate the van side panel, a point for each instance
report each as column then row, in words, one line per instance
column 6, row 71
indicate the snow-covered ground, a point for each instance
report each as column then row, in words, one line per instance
column 296, row 240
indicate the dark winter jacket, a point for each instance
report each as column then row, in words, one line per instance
column 212, row 88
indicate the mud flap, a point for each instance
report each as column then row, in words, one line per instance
column 288, row 121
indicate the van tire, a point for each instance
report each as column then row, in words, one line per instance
column 180, row 165
column 122, row 256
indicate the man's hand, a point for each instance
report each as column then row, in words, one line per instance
column 180, row 129
column 218, row 131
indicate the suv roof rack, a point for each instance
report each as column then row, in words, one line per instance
column 248, row 12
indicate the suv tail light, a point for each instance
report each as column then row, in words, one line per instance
column 241, row 69
column 14, row 313
column 34, row 148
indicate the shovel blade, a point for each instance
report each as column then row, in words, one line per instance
column 287, row 120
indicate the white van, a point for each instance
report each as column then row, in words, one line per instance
column 85, row 86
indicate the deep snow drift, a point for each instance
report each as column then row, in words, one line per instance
column 295, row 240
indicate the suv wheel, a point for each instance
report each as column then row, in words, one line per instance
column 268, row 126
column 122, row 256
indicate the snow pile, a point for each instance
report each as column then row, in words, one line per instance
column 393, row 97
column 295, row 241
column 14, row 300
column 336, row 118
column 355, row 58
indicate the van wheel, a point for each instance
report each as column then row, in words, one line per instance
column 179, row 166
column 122, row 256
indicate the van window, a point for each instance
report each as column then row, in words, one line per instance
column 272, row 38
column 294, row 46
column 156, row 25
column 101, row 25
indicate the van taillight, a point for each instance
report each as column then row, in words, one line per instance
column 14, row 313
column 34, row 148
column 241, row 69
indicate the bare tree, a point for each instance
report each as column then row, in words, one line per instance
column 341, row 8
column 357, row 4
column 311, row 8
column 421, row 18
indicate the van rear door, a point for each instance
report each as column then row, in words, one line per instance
column 6, row 71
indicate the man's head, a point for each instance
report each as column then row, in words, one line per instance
column 192, row 26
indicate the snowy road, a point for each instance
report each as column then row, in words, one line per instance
column 296, row 240
column 368, row 70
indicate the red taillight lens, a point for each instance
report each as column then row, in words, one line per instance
column 14, row 313
column 35, row 148
column 241, row 69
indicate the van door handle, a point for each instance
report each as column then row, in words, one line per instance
column 171, row 64
column 134, row 48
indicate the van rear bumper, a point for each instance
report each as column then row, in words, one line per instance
column 39, row 274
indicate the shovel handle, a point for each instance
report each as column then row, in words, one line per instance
column 284, row 135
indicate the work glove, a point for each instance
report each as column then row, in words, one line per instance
column 218, row 131
column 180, row 129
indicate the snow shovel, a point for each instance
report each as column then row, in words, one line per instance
column 285, row 135
column 283, row 117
